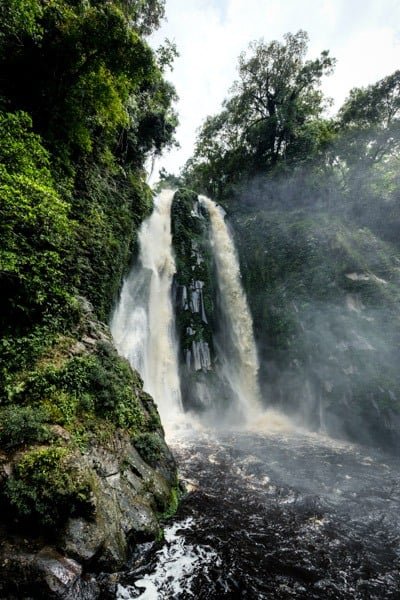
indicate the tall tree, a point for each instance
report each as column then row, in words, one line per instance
column 369, row 121
column 267, row 119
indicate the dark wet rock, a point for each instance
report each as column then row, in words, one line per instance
column 63, row 576
column 43, row 574
column 196, row 305
column 326, row 325
column 128, row 495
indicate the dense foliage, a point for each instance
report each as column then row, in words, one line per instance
column 273, row 126
column 272, row 115
column 83, row 104
column 34, row 226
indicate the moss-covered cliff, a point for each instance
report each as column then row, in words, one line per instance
column 194, row 297
column 85, row 471
column 324, row 295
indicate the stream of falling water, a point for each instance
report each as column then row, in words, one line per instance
column 143, row 322
column 236, row 346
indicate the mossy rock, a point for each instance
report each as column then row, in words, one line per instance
column 48, row 485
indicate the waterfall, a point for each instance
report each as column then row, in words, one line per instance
column 143, row 322
column 236, row 346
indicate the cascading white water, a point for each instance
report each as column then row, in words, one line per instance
column 143, row 322
column 236, row 346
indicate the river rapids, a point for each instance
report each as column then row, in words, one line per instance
column 275, row 515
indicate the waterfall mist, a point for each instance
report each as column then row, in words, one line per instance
column 319, row 265
column 143, row 322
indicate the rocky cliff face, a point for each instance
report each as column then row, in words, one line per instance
column 324, row 297
column 94, row 482
column 194, row 298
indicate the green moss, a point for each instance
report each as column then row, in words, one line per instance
column 47, row 485
column 101, row 384
column 150, row 447
column 190, row 236
column 173, row 503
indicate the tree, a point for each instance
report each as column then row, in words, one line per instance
column 270, row 114
column 83, row 104
column 277, row 94
column 145, row 15
column 369, row 121
column 77, row 67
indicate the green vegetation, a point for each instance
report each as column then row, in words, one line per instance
column 20, row 425
column 195, row 293
column 273, row 114
column 194, row 262
column 83, row 104
column 173, row 503
column 149, row 446
column 35, row 228
column 47, row 485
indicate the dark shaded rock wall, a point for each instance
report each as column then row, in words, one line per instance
column 324, row 295
column 194, row 298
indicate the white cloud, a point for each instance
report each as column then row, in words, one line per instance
column 210, row 34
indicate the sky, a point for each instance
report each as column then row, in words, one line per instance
column 363, row 35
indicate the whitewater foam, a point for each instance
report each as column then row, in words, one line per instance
column 143, row 322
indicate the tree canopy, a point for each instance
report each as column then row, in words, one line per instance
column 84, row 73
column 370, row 120
column 274, row 126
column 273, row 111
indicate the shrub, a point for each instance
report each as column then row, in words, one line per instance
column 21, row 425
column 149, row 446
column 47, row 485
column 112, row 383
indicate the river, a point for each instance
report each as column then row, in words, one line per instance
column 275, row 514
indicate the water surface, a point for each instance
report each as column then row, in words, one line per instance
column 276, row 515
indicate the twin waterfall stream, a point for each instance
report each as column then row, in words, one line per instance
column 143, row 323
column 271, row 510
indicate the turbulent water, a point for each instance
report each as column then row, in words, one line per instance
column 276, row 515
column 236, row 346
column 143, row 322
column 270, row 511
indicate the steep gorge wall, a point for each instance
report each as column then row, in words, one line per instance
column 324, row 297
column 84, row 469
column 85, row 473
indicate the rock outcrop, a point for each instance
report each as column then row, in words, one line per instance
column 194, row 298
column 107, row 480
